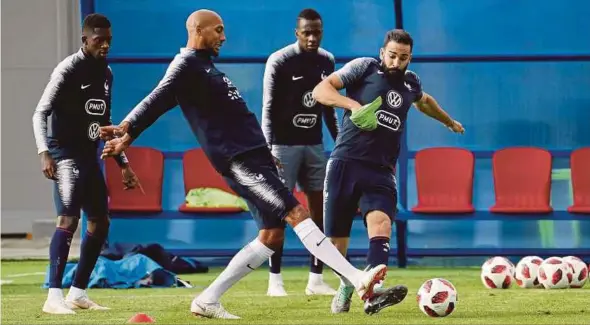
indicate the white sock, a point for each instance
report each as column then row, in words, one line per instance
column 76, row 292
column 321, row 247
column 55, row 293
column 275, row 278
column 315, row 278
column 245, row 261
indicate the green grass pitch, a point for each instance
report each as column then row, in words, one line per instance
column 23, row 298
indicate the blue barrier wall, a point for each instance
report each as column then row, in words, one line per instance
column 506, row 104
column 511, row 75
column 497, row 27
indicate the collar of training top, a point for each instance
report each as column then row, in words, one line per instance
column 90, row 59
column 300, row 51
column 297, row 48
column 205, row 53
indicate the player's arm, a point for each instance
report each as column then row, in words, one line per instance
column 53, row 92
column 121, row 158
column 130, row 179
column 429, row 106
column 159, row 101
column 327, row 93
column 330, row 117
column 269, row 95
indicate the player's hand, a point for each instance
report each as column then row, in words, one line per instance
column 113, row 147
column 110, row 132
column 130, row 180
column 456, row 127
column 364, row 117
column 48, row 165
column 113, row 131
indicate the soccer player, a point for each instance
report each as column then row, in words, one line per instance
column 292, row 125
column 233, row 141
column 361, row 169
column 78, row 99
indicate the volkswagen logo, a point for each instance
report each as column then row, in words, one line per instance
column 308, row 100
column 94, row 131
column 394, row 99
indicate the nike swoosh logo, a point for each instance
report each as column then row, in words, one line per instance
column 85, row 86
column 250, row 267
column 207, row 70
column 297, row 78
column 321, row 241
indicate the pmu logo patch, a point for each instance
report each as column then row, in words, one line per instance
column 388, row 120
column 95, row 107
column 305, row 121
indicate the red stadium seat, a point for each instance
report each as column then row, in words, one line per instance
column 300, row 196
column 148, row 165
column 444, row 180
column 522, row 180
column 580, row 167
column 199, row 173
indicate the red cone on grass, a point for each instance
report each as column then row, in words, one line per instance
column 141, row 318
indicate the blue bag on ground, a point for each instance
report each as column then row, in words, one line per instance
column 173, row 263
column 133, row 271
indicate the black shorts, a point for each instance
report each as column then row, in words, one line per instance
column 353, row 184
column 254, row 176
column 80, row 185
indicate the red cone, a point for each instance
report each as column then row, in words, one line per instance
column 141, row 318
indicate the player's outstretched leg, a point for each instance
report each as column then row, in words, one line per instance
column 59, row 250
column 379, row 229
column 254, row 177
column 245, row 261
column 276, row 287
column 320, row 246
column 90, row 249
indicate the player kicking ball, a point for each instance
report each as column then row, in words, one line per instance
column 361, row 168
column 232, row 139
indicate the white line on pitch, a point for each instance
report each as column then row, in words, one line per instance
column 21, row 275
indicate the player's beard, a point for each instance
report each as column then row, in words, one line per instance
column 393, row 74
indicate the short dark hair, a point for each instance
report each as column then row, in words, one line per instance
column 309, row 14
column 398, row 36
column 93, row 21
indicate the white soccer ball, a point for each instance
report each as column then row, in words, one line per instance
column 554, row 273
column 579, row 271
column 437, row 297
column 497, row 273
column 526, row 272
